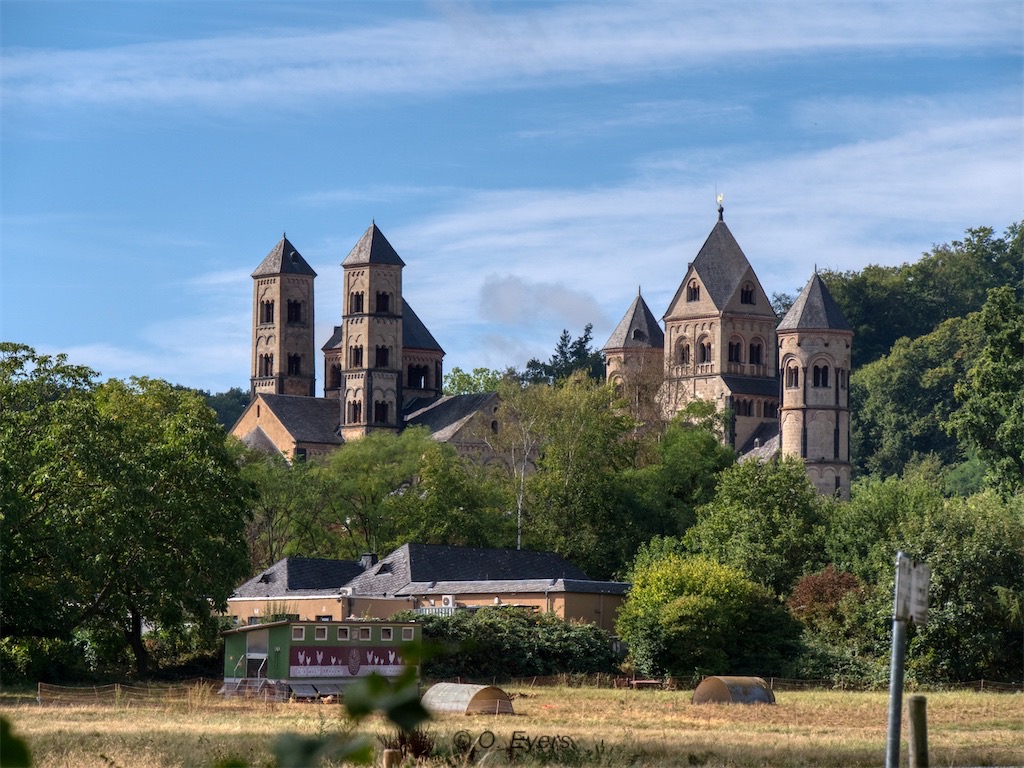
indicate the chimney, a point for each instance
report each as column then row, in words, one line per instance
column 367, row 560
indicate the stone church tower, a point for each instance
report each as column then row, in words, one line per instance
column 283, row 360
column 814, row 362
column 720, row 339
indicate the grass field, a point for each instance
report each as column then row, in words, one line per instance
column 609, row 727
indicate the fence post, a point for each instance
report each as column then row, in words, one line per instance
column 917, row 731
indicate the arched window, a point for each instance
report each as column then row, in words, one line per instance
column 381, row 357
column 639, row 335
column 294, row 365
column 693, row 291
column 747, row 293
column 267, row 312
column 266, row 365
column 756, row 352
column 821, row 375
column 736, row 351
column 380, row 412
column 683, row 356
column 294, row 312
column 355, row 412
column 792, row 377
column 771, row 410
column 355, row 357
column 418, row 376
column 704, row 352
column 355, row 302
column 383, row 302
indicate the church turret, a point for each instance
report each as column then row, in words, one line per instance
column 814, row 363
column 634, row 357
column 283, row 360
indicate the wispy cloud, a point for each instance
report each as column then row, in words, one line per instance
column 466, row 49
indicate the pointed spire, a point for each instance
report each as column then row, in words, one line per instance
column 721, row 208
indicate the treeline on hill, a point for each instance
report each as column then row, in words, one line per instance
column 736, row 567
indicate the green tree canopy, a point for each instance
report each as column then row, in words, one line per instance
column 991, row 396
column 690, row 616
column 766, row 520
column 122, row 503
column 570, row 355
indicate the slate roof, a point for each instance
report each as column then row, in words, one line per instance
column 414, row 333
column 506, row 586
column 814, row 309
column 429, row 563
column 751, row 385
column 373, row 248
column 300, row 576
column 769, row 439
column 258, row 440
column 307, row 419
column 444, row 416
column 638, row 328
column 283, row 259
column 335, row 341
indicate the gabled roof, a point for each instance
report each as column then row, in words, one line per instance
column 444, row 416
column 763, row 444
column 414, row 333
column 638, row 328
column 373, row 248
column 307, row 419
column 258, row 440
column 297, row 576
column 283, row 259
column 426, row 563
column 335, row 341
column 814, row 309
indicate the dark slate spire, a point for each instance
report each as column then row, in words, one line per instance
column 721, row 264
column 815, row 309
column 638, row 328
column 373, row 248
column 414, row 333
column 283, row 259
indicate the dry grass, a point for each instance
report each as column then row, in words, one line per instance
column 608, row 727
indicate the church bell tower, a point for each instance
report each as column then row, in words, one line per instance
column 283, row 360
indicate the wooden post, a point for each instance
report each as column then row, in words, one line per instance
column 392, row 757
column 917, row 731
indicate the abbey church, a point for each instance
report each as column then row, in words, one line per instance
column 783, row 384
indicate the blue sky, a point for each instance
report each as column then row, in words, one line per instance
column 533, row 163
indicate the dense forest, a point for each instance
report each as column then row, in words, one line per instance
column 736, row 567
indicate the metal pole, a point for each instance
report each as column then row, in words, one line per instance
column 899, row 641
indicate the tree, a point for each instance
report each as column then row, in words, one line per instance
column 991, row 396
column 228, row 405
column 362, row 484
column 766, row 520
column 480, row 380
column 691, row 616
column 903, row 400
column 570, row 355
column 122, row 504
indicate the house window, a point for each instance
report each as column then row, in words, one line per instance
column 693, row 291
column 821, row 376
column 320, row 633
column 383, row 302
column 267, row 312
column 253, row 620
column 747, row 294
column 364, row 633
column 755, row 354
column 294, row 365
column 298, row 633
column 792, row 377
column 408, row 633
column 355, row 302
column 387, row 633
column 381, row 358
column 300, row 454
column 380, row 412
column 294, row 311
column 343, row 633
column 735, row 351
column 324, row 618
